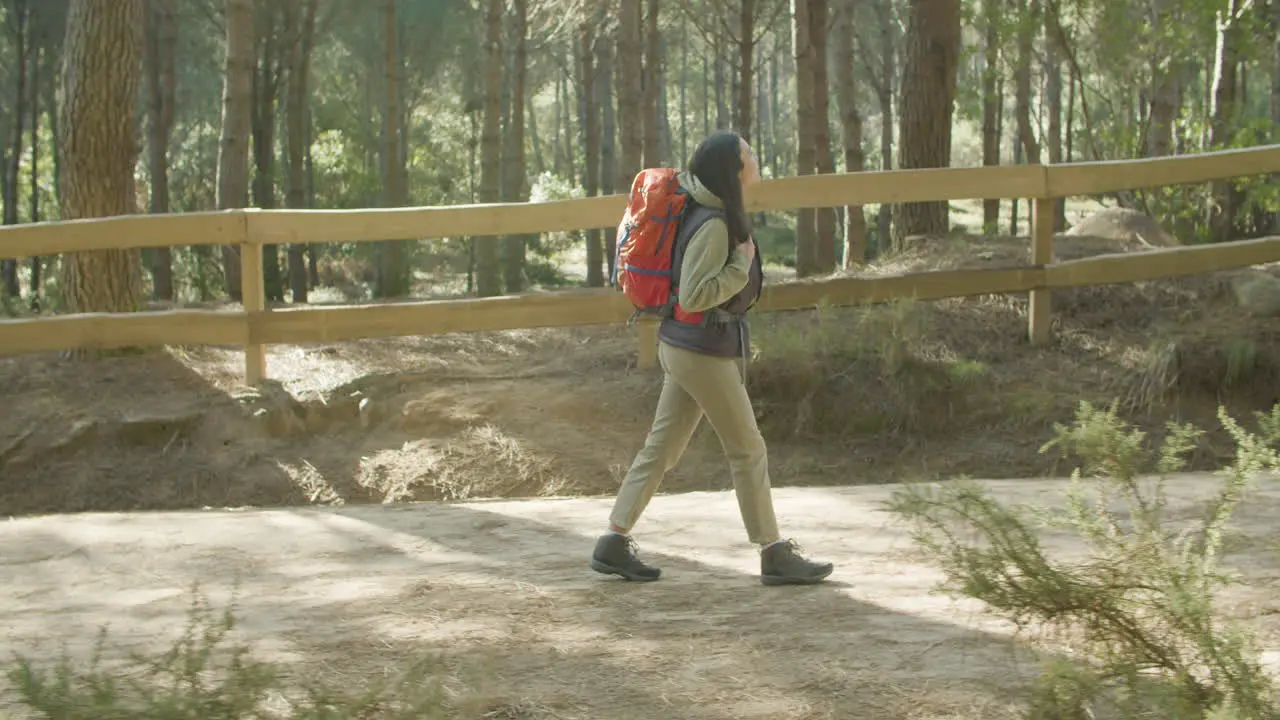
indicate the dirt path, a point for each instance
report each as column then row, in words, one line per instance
column 502, row 589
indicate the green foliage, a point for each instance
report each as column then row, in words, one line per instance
column 205, row 676
column 1137, row 611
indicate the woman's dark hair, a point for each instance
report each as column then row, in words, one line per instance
column 717, row 163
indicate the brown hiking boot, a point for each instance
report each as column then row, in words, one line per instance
column 616, row 555
column 782, row 564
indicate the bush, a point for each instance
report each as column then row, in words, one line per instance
column 1137, row 611
column 204, row 677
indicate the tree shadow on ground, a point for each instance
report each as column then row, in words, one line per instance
column 708, row 641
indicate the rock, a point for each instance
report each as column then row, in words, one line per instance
column 1258, row 294
column 1124, row 225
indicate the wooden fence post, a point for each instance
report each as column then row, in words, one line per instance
column 646, row 344
column 1038, row 311
column 253, row 292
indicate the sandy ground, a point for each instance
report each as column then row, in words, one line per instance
column 503, row 590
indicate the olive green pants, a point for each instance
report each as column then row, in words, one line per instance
column 695, row 385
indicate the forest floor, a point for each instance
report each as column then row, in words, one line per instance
column 846, row 397
column 498, row 596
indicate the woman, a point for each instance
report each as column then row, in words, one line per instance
column 716, row 272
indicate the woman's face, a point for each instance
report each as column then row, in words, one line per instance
column 750, row 168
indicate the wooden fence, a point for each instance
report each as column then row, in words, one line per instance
column 257, row 326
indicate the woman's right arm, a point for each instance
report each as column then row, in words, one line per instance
column 711, row 273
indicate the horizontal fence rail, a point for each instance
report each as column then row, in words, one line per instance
column 257, row 326
column 231, row 227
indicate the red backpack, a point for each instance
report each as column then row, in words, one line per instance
column 646, row 241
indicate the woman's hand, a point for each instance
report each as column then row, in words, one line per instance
column 748, row 250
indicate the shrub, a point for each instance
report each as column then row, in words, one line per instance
column 205, row 677
column 1137, row 611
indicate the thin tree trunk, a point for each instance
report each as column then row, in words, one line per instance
column 855, row 222
column 36, row 262
column 722, row 112
column 825, row 162
column 807, row 254
column 684, row 93
column 746, row 65
column 1022, row 81
column 162, row 48
column 1164, row 85
column 589, row 121
column 297, row 119
column 888, row 77
column 775, row 105
column 21, row 19
column 608, row 134
column 237, row 121
column 535, row 139
column 992, row 100
column 488, row 273
column 102, row 63
column 1275, row 91
column 266, row 84
column 1226, row 82
column 515, row 175
column 1053, row 102
column 666, row 149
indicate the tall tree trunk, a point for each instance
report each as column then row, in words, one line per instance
column 608, row 133
column 1053, row 102
column 393, row 255
column 1275, row 90
column 297, row 118
column 36, row 262
column 666, row 148
column 1223, row 117
column 928, row 101
column 313, row 250
column 825, row 163
column 774, row 104
column 237, row 122
column 162, row 50
column 806, row 160
column 1029, row 146
column 652, row 153
column 764, row 110
column 630, row 112
column 855, row 222
column 722, row 111
column 21, row 20
column 1022, row 80
column 707, row 65
column 886, row 94
column 992, row 100
column 684, row 93
column 746, row 65
column 589, row 121
column 488, row 274
column 517, row 187
column 535, row 139
column 102, row 63
column 1164, row 83
column 266, row 85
